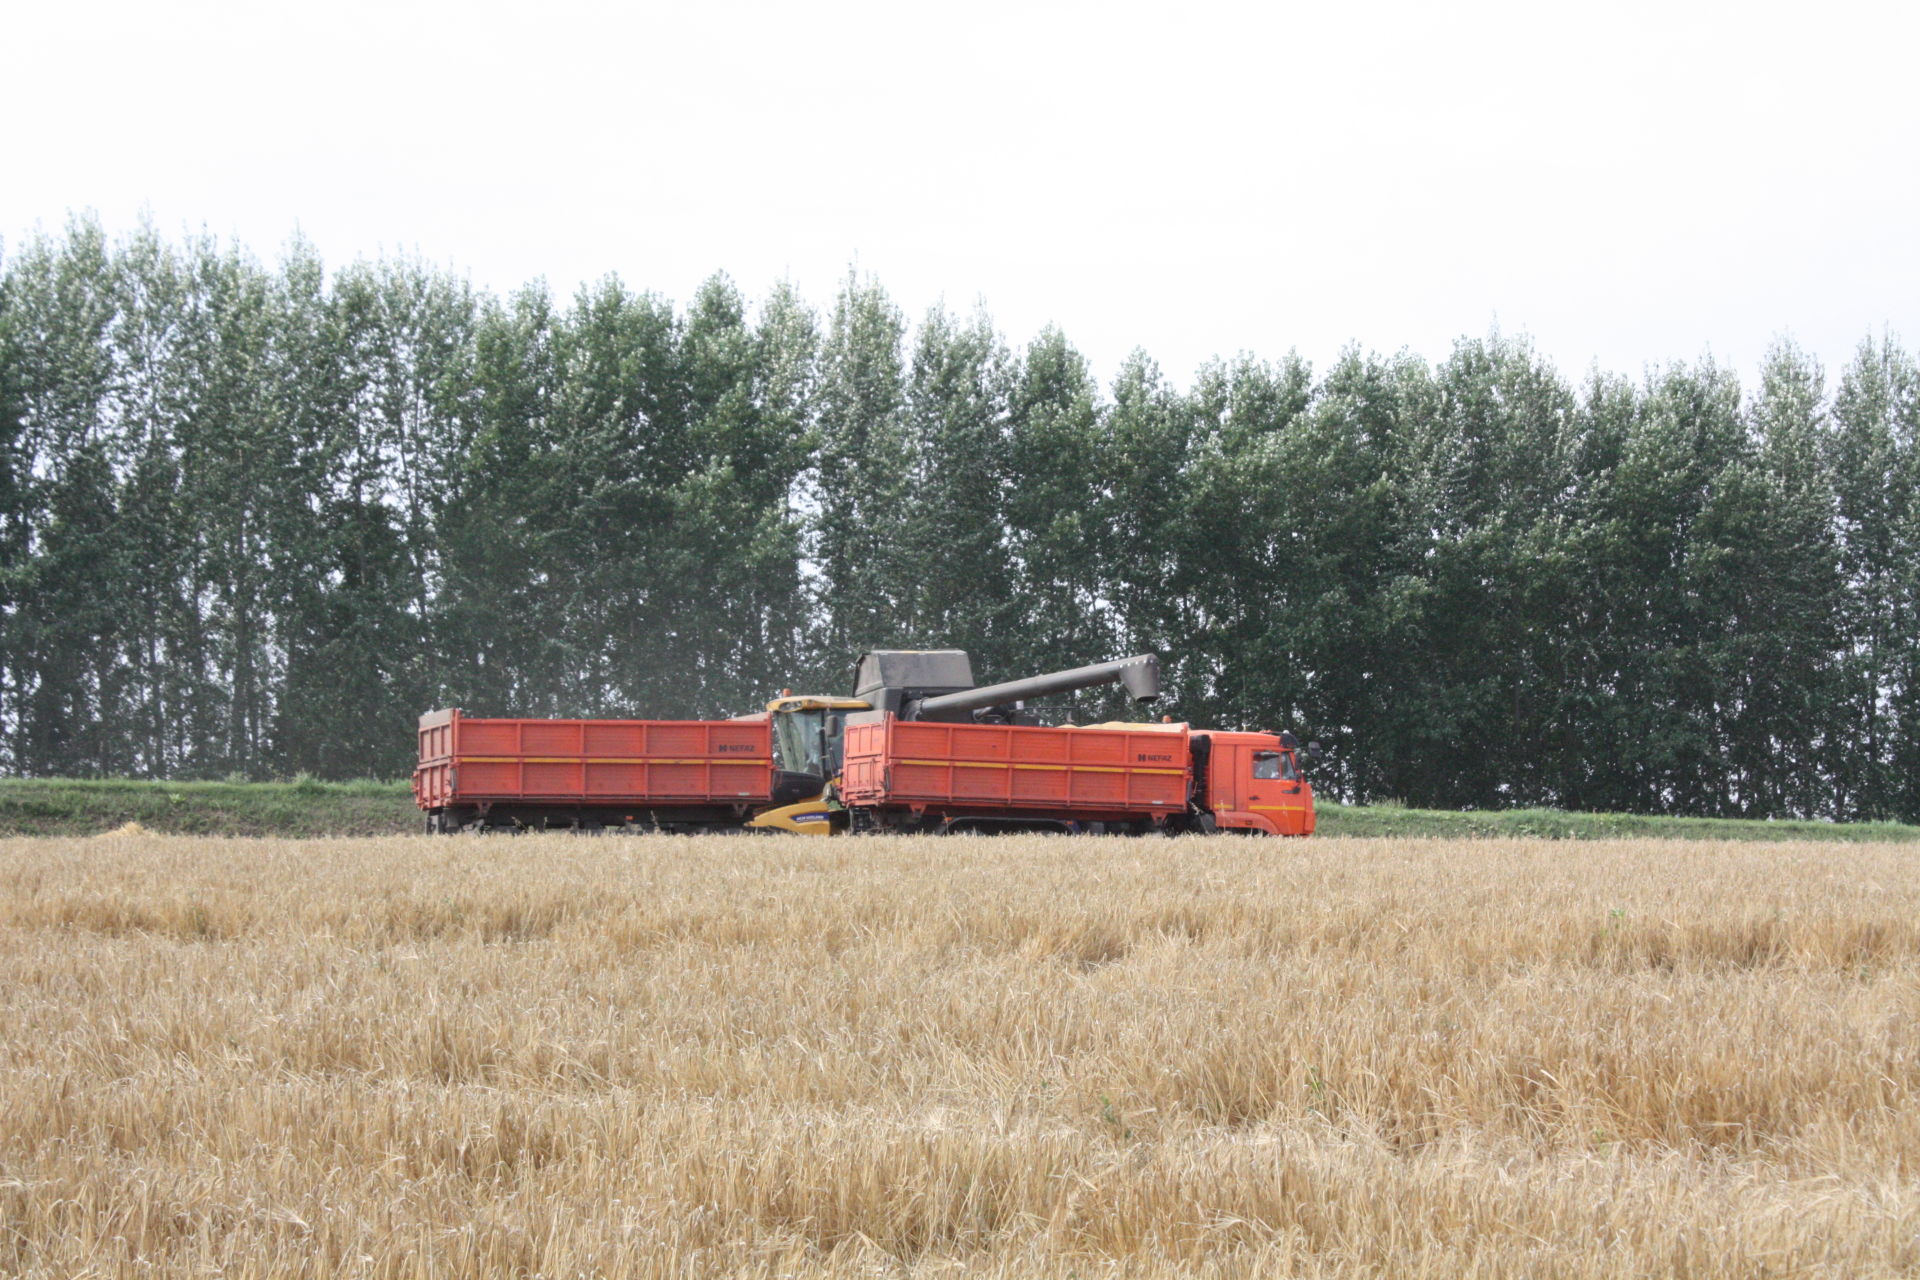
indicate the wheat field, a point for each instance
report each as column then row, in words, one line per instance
column 1013, row 1056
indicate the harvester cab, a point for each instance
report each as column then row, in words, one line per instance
column 808, row 735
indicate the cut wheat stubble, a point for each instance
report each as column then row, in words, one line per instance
column 1011, row 1056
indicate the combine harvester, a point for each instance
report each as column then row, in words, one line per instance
column 918, row 748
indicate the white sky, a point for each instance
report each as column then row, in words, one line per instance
column 1627, row 183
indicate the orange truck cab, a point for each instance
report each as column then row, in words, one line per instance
column 1252, row 782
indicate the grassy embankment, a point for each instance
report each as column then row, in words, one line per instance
column 1554, row 824
column 652, row 1057
column 66, row 807
column 77, row 807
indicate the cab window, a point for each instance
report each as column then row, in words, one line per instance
column 1289, row 767
column 796, row 742
column 1266, row 764
column 836, row 741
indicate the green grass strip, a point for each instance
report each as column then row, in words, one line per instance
column 1553, row 824
column 69, row 807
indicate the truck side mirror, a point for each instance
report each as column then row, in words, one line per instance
column 1313, row 750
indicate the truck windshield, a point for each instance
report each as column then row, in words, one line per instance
column 1275, row 764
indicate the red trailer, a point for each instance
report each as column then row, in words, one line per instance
column 671, row 774
column 926, row 775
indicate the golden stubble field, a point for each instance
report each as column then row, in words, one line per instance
column 1013, row 1057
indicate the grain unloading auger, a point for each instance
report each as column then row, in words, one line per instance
column 938, row 685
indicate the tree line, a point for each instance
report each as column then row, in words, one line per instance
column 255, row 518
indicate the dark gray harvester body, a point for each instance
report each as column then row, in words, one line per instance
column 938, row 684
column 890, row 678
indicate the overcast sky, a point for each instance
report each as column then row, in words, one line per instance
column 1625, row 183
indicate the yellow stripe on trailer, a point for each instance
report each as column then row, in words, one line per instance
column 611, row 760
column 1002, row 764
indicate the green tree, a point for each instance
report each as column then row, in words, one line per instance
column 735, row 553
column 175, row 689
column 1055, row 504
column 1685, row 447
column 1241, row 582
column 1600, row 637
column 68, row 688
column 1141, row 463
column 358, row 660
column 16, row 513
column 621, row 443
column 503, row 567
column 1876, row 416
column 1789, row 606
column 860, row 481
column 1490, row 444
column 786, row 390
column 1349, row 622
column 954, row 525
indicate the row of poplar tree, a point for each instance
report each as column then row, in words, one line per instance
column 254, row 519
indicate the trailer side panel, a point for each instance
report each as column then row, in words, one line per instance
column 607, row 764
column 1092, row 775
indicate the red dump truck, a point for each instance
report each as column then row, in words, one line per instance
column 675, row 775
column 912, row 775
